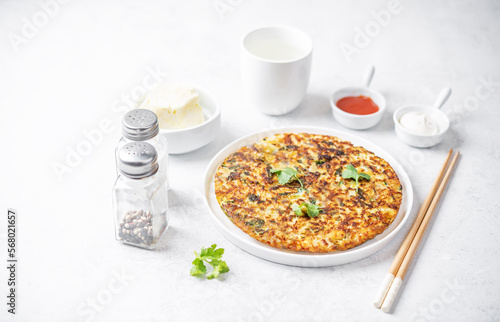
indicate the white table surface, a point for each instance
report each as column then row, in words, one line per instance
column 74, row 69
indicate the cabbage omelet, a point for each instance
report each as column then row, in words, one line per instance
column 293, row 191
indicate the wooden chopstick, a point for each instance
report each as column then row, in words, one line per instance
column 384, row 288
column 403, row 269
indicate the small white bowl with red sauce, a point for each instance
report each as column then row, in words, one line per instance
column 358, row 108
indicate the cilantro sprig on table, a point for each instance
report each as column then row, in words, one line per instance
column 287, row 174
column 350, row 172
column 212, row 256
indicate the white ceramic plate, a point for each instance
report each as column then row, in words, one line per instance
column 282, row 256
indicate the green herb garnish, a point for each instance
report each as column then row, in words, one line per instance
column 286, row 174
column 301, row 191
column 212, row 256
column 350, row 172
column 310, row 209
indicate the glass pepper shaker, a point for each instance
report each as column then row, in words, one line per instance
column 139, row 196
column 141, row 125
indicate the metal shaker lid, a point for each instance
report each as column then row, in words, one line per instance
column 137, row 160
column 140, row 125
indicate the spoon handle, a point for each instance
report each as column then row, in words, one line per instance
column 443, row 97
column 370, row 71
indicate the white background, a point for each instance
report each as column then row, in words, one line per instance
column 69, row 72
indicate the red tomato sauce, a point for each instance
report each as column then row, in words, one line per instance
column 361, row 105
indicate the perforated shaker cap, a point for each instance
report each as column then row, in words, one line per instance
column 137, row 160
column 140, row 125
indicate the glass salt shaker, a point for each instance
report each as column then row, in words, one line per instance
column 139, row 196
column 141, row 125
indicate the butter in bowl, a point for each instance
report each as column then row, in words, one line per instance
column 189, row 117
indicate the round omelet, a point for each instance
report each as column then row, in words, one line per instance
column 344, row 214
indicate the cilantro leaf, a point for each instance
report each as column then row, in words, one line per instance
column 296, row 209
column 211, row 252
column 198, row 267
column 212, row 256
column 364, row 175
column 350, row 172
column 286, row 174
column 220, row 267
column 311, row 209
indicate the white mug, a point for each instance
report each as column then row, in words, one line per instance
column 275, row 68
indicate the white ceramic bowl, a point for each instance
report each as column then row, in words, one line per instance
column 418, row 140
column 192, row 138
column 354, row 121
